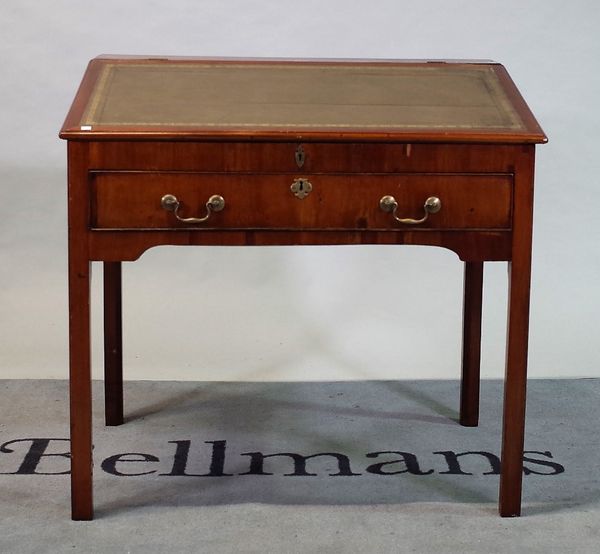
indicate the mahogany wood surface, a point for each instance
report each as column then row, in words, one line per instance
column 469, row 246
column 515, row 382
column 117, row 176
column 320, row 157
column 130, row 200
column 80, row 378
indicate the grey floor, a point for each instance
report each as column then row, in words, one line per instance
column 429, row 500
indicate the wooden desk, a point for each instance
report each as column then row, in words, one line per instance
column 273, row 152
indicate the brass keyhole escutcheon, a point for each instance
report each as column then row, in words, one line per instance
column 301, row 188
column 300, row 156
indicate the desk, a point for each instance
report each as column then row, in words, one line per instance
column 188, row 151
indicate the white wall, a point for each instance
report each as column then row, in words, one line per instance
column 310, row 313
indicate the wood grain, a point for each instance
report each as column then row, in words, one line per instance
column 80, row 380
column 130, row 200
column 515, row 383
column 320, row 157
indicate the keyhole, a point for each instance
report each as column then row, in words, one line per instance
column 301, row 188
column 300, row 156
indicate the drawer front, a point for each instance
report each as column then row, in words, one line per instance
column 132, row 200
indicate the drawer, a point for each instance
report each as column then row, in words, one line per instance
column 132, row 200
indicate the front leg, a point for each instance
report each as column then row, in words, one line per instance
column 515, row 382
column 515, row 386
column 80, row 388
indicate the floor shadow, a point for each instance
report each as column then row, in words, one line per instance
column 287, row 443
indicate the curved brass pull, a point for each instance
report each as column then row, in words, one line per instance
column 432, row 205
column 214, row 204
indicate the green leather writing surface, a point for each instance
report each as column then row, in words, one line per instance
column 253, row 96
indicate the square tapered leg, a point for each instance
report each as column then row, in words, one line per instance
column 471, row 347
column 113, row 344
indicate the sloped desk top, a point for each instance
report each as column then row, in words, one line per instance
column 450, row 102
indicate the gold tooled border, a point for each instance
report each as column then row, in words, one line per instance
column 98, row 95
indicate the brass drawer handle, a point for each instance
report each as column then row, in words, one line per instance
column 432, row 205
column 170, row 203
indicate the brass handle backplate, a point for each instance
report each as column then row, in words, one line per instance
column 432, row 205
column 170, row 203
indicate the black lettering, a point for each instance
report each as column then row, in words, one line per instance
column 257, row 464
column 110, row 464
column 32, row 458
column 454, row 465
column 409, row 461
column 180, row 458
column 182, row 452
column 556, row 467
